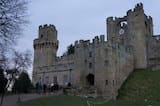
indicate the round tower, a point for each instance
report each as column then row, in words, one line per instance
column 45, row 47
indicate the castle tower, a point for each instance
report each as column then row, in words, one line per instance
column 134, row 29
column 45, row 47
column 111, row 28
column 137, row 33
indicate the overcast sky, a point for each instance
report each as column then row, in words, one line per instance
column 79, row 19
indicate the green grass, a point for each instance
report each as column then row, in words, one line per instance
column 56, row 101
column 79, row 101
column 142, row 88
column 141, row 85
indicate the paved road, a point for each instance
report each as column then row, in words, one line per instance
column 12, row 100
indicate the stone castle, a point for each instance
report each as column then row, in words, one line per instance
column 104, row 65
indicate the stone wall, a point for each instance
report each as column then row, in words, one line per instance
column 154, row 52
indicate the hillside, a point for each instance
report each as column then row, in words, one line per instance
column 142, row 85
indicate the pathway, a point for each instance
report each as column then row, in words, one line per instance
column 12, row 100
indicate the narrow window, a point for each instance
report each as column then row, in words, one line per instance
column 85, row 61
column 47, row 79
column 146, row 24
column 90, row 65
column 106, row 82
column 65, row 79
column 106, row 62
column 90, row 54
column 42, row 36
column 55, row 79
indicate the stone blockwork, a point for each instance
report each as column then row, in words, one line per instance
column 102, row 64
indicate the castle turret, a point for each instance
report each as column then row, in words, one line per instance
column 45, row 47
column 132, row 30
column 111, row 28
column 137, row 25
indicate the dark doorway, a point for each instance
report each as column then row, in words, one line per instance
column 90, row 79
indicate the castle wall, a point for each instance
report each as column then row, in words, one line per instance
column 46, row 74
column 84, row 61
column 100, row 46
column 154, row 52
column 113, row 64
column 124, row 65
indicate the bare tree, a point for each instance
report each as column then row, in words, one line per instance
column 12, row 17
column 21, row 60
column 19, row 63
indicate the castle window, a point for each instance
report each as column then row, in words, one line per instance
column 85, row 61
column 106, row 82
column 55, row 79
column 41, row 35
column 90, row 54
column 65, row 79
column 136, row 15
column 146, row 24
column 47, row 79
column 90, row 65
column 106, row 62
column 113, row 82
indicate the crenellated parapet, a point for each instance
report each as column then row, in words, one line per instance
column 47, row 37
column 116, row 20
column 95, row 40
column 43, row 45
column 65, row 58
column 138, row 9
column 46, row 26
column 46, row 29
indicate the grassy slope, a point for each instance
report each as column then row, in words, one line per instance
column 142, row 88
column 141, row 85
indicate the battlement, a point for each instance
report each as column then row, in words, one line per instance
column 96, row 40
column 82, row 42
column 46, row 26
column 109, row 19
column 139, row 5
column 116, row 19
column 150, row 19
column 138, row 8
column 65, row 58
column 47, row 31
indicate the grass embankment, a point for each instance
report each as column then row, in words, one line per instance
column 142, row 85
column 142, row 88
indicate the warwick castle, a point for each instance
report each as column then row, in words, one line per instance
column 102, row 65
